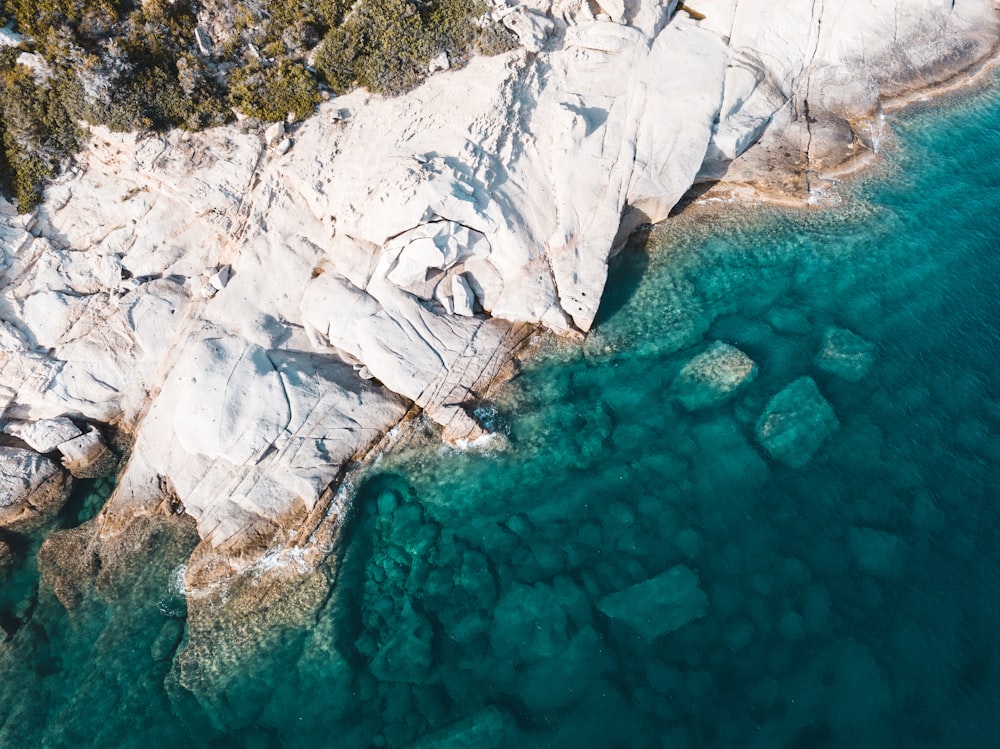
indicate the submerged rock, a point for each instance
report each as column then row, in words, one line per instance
column 877, row 552
column 845, row 354
column 713, row 376
column 562, row 680
column 796, row 422
column 658, row 605
column 407, row 656
column 6, row 557
column 486, row 729
column 69, row 563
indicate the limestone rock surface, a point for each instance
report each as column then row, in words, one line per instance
column 45, row 435
column 32, row 488
column 87, row 456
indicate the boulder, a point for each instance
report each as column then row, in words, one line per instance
column 463, row 298
column 532, row 29
column 87, row 456
column 45, row 435
column 274, row 133
column 713, row 376
column 877, row 552
column 659, row 605
column 407, row 656
column 440, row 62
column 530, row 623
column 796, row 422
column 845, row 354
column 486, row 729
column 562, row 680
column 32, row 489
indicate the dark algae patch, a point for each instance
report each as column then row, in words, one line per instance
column 755, row 508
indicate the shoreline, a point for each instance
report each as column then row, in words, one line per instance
column 310, row 534
column 973, row 78
column 417, row 430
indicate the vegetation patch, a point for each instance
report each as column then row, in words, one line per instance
column 158, row 64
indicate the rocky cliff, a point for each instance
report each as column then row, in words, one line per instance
column 256, row 310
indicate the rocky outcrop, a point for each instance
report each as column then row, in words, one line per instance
column 87, row 456
column 32, row 489
column 259, row 309
column 45, row 435
column 808, row 81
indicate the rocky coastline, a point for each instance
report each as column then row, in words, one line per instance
column 254, row 312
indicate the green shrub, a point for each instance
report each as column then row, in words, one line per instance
column 37, row 132
column 269, row 93
column 386, row 45
column 134, row 65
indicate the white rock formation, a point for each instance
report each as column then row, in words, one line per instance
column 356, row 260
column 87, row 456
column 32, row 489
column 43, row 436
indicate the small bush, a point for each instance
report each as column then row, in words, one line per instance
column 36, row 130
column 386, row 45
column 269, row 93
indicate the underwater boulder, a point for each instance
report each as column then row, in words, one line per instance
column 407, row 656
column 845, row 354
column 713, row 376
column 877, row 552
column 560, row 681
column 796, row 423
column 488, row 728
column 658, row 605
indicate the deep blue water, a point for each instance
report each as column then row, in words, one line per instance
column 641, row 560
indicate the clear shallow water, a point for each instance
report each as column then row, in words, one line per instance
column 850, row 602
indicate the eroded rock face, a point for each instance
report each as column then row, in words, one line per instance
column 45, row 435
column 807, row 81
column 87, row 456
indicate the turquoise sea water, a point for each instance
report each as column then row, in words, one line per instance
column 620, row 570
